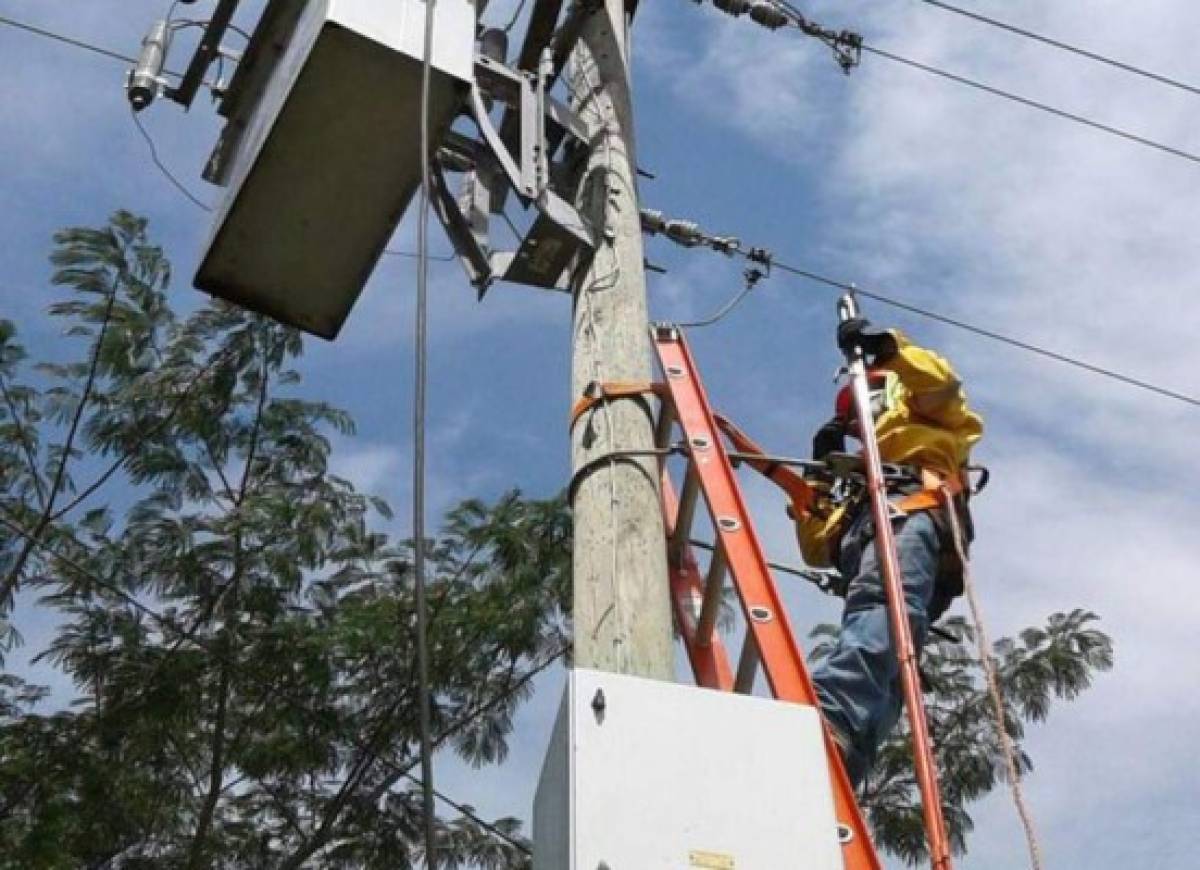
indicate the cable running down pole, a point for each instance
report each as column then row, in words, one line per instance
column 421, row 329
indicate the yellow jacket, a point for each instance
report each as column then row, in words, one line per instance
column 925, row 422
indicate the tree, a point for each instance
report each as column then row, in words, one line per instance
column 240, row 632
column 1042, row 664
column 240, row 636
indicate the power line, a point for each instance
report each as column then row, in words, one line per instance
column 465, row 810
column 846, row 44
column 1034, row 104
column 77, row 43
column 689, row 235
column 441, row 258
column 1082, row 52
column 989, row 334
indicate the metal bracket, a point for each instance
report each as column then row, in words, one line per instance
column 523, row 163
column 210, row 48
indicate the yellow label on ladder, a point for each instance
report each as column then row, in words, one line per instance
column 710, row 860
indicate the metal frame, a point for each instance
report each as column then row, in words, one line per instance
column 210, row 47
column 738, row 554
column 491, row 168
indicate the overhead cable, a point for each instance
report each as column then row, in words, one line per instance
column 762, row 255
column 1034, row 104
column 76, row 43
column 1082, row 52
column 989, row 334
column 441, row 258
column 848, row 45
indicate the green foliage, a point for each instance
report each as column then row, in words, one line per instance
column 1042, row 664
column 240, row 637
column 240, row 633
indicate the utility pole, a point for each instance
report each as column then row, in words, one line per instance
column 621, row 602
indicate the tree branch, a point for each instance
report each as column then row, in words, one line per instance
column 88, row 491
column 216, row 773
column 8, row 587
column 26, row 445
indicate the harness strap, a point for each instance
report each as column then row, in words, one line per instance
column 934, row 488
column 601, row 391
column 785, row 478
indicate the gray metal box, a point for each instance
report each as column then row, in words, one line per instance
column 322, row 168
column 644, row 775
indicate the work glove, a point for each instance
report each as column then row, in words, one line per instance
column 830, row 438
column 877, row 346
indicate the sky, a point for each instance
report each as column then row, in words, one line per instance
column 942, row 196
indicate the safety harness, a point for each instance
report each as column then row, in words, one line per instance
column 923, row 489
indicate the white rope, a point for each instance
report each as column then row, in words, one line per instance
column 993, row 685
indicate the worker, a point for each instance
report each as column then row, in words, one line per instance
column 924, row 428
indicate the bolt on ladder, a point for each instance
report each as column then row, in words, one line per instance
column 737, row 556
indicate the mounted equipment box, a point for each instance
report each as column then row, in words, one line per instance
column 321, row 153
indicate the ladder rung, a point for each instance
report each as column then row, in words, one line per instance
column 687, row 512
column 714, row 587
column 747, row 665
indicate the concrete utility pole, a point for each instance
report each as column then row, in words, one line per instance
column 622, row 607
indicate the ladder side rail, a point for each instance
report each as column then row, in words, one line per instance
column 783, row 663
column 897, row 607
column 710, row 662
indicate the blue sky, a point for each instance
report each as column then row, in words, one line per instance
column 946, row 198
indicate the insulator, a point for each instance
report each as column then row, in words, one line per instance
column 768, row 15
column 686, row 233
column 653, row 221
column 725, row 244
column 493, row 44
column 733, row 7
column 145, row 80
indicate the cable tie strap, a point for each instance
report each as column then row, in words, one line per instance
column 602, row 391
column 614, row 456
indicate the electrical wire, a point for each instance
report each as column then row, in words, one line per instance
column 36, row 540
column 1082, row 52
column 441, row 258
column 421, row 377
column 179, row 185
column 989, row 334
column 799, row 22
column 1034, row 104
column 465, row 810
column 516, row 14
column 752, row 279
column 76, row 43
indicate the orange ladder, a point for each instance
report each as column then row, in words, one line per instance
column 737, row 554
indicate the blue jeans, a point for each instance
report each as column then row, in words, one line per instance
column 858, row 685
